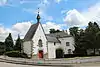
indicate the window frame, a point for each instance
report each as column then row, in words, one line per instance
column 67, row 43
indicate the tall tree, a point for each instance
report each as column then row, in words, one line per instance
column 98, row 40
column 86, row 39
column 18, row 44
column 74, row 31
column 90, row 35
column 9, row 43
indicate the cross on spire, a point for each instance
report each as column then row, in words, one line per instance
column 38, row 16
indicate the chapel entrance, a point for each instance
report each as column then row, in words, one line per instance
column 40, row 54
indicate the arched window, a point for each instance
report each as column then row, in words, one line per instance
column 40, row 43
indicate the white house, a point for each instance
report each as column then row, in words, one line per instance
column 37, row 44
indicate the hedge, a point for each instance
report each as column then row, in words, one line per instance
column 16, row 54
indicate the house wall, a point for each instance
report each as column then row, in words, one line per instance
column 39, row 34
column 52, row 49
column 71, row 44
column 27, row 48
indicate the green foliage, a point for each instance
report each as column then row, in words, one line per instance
column 13, row 53
column 98, row 39
column 91, row 36
column 17, row 46
column 16, row 54
column 2, row 48
column 54, row 31
column 86, row 39
column 9, row 43
column 74, row 31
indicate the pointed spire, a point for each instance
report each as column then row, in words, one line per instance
column 38, row 16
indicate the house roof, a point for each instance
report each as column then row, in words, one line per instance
column 59, row 34
column 52, row 39
column 29, row 35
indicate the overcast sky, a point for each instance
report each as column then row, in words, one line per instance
column 16, row 16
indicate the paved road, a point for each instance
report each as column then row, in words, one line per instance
column 3, row 64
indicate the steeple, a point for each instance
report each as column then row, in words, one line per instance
column 38, row 16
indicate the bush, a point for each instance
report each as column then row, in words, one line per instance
column 77, row 55
column 16, row 54
column 13, row 54
column 73, row 55
column 1, row 53
column 23, row 55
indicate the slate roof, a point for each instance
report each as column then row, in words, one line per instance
column 59, row 35
column 29, row 35
column 52, row 39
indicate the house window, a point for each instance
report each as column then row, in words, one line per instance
column 69, row 51
column 67, row 43
column 54, row 43
column 40, row 43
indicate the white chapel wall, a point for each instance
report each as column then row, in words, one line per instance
column 39, row 34
column 27, row 47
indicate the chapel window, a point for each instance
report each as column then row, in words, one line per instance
column 40, row 43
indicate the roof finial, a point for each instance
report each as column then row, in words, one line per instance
column 38, row 10
column 38, row 16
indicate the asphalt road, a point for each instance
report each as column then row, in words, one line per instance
column 3, row 64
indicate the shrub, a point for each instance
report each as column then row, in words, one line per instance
column 23, row 55
column 13, row 54
column 16, row 54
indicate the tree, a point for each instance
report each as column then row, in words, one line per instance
column 86, row 39
column 98, row 40
column 54, row 31
column 78, row 36
column 18, row 44
column 74, row 31
column 90, row 35
column 2, row 48
column 9, row 43
column 81, row 47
